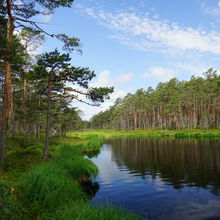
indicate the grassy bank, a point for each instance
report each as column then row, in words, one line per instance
column 33, row 189
column 149, row 133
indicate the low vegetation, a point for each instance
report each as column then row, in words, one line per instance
column 151, row 133
column 32, row 188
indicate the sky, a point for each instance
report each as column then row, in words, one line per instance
column 133, row 44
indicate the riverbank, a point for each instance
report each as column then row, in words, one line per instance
column 150, row 133
column 31, row 188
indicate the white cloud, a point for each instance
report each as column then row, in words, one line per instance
column 45, row 18
column 89, row 111
column 90, row 12
column 190, row 69
column 103, row 80
column 212, row 10
column 124, row 78
column 161, row 33
column 118, row 93
column 159, row 73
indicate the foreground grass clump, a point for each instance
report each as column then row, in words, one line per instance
column 54, row 184
column 47, row 187
column 94, row 143
column 74, row 164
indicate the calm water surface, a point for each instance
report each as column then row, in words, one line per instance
column 161, row 179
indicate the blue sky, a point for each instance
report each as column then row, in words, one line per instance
column 135, row 44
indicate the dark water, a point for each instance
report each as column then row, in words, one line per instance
column 161, row 179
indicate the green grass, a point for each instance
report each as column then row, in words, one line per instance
column 150, row 133
column 9, row 207
column 198, row 135
column 54, row 189
column 47, row 187
column 84, row 211
column 74, row 164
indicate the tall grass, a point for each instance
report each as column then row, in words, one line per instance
column 9, row 207
column 54, row 189
column 84, row 211
column 198, row 135
column 52, row 185
column 48, row 187
column 75, row 165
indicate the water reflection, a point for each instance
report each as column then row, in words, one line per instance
column 91, row 154
column 176, row 162
column 162, row 179
column 90, row 187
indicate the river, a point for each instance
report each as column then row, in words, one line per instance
column 161, row 179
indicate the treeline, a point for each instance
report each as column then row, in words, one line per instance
column 172, row 105
column 36, row 92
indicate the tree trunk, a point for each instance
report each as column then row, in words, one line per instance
column 12, row 118
column 24, row 105
column 38, row 123
column 218, row 109
column 135, row 120
column 10, row 28
column 2, row 152
column 3, row 130
column 48, row 118
column 25, row 92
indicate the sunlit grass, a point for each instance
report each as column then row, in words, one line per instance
column 151, row 133
column 75, row 165
column 48, row 187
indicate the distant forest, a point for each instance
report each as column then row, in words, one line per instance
column 172, row 105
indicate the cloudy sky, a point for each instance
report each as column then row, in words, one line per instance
column 132, row 44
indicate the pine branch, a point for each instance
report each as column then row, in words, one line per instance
column 34, row 23
column 91, row 104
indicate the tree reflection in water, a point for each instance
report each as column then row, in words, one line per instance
column 178, row 162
